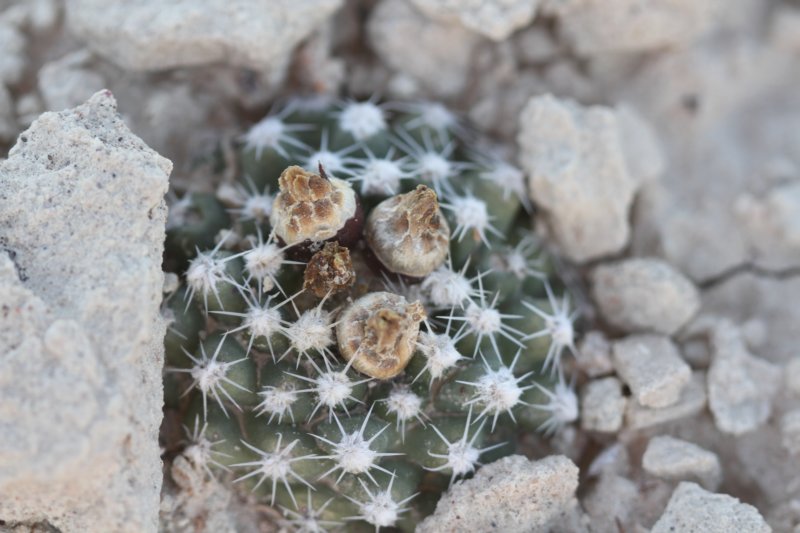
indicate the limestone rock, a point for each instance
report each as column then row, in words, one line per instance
column 151, row 35
column 693, row 509
column 512, row 494
column 693, row 400
column 81, row 350
column 633, row 25
column 652, row 368
column 676, row 459
column 495, row 19
column 594, row 354
column 602, row 405
column 580, row 173
column 740, row 385
column 438, row 57
column 644, row 294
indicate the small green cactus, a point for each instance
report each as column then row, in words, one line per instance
column 349, row 384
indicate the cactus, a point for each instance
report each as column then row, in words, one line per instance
column 364, row 318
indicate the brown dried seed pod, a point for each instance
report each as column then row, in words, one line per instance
column 311, row 208
column 378, row 332
column 329, row 271
column 408, row 233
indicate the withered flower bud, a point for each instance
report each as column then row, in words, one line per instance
column 408, row 233
column 378, row 332
column 312, row 208
column 329, row 271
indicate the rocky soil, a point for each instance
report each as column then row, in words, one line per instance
column 661, row 144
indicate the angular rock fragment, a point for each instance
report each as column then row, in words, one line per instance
column 152, row 35
column 693, row 509
column 82, row 352
column 676, row 459
column 652, row 367
column 495, row 19
column 511, row 495
column 602, row 405
column 740, row 385
column 581, row 174
column 644, row 295
column 692, row 401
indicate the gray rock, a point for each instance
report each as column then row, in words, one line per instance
column 512, row 494
column 594, row 354
column 692, row 508
column 611, row 502
column 652, row 367
column 495, row 19
column 151, row 35
column 692, row 401
column 740, row 385
column 602, row 405
column 644, row 294
column 81, row 355
column 579, row 173
column 438, row 57
column 676, row 459
column 630, row 26
column 790, row 431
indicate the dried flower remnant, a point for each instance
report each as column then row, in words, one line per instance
column 378, row 333
column 312, row 208
column 408, row 233
column 329, row 271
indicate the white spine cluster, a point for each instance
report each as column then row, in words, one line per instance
column 380, row 509
column 275, row 466
column 209, row 375
column 206, row 273
column 405, row 406
column 498, row 390
column 440, row 353
column 471, row 216
column 362, row 120
column 558, row 325
column 277, row 402
column 562, row 405
column 352, row 454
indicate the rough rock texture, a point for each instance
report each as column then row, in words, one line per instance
column 652, row 367
column 149, row 35
column 693, row 509
column 438, row 57
column 512, row 494
column 740, row 385
column 634, row 25
column 692, row 401
column 495, row 19
column 677, row 459
column 611, row 502
column 581, row 174
column 602, row 405
column 721, row 109
column 81, row 349
column 594, row 354
column 644, row 294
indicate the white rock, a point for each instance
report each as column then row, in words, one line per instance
column 579, row 173
column 676, row 459
column 511, row 495
column 495, row 19
column 692, row 401
column 602, row 405
column 594, row 354
column 611, row 502
column 438, row 56
column 790, row 431
column 633, row 25
column 740, row 385
column 785, row 31
column 652, row 367
column 151, row 35
column 69, row 81
column 644, row 294
column 692, row 508
column 84, row 222
column 13, row 58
